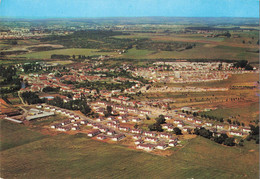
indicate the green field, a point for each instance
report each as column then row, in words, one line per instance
column 206, row 48
column 13, row 135
column 137, row 54
column 77, row 156
column 247, row 114
column 71, row 51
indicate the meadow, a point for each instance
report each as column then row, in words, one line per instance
column 71, row 51
column 77, row 156
column 206, row 48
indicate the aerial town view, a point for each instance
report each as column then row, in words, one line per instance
column 129, row 89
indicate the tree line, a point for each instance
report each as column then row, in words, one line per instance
column 80, row 105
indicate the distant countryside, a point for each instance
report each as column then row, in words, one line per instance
column 162, row 97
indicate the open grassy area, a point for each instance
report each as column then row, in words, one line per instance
column 207, row 48
column 242, row 113
column 77, row 156
column 137, row 54
column 71, row 51
column 13, row 135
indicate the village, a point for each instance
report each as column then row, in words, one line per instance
column 116, row 115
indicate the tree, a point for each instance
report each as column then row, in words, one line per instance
column 220, row 139
column 160, row 119
column 241, row 143
column 229, row 141
column 135, row 126
column 177, row 131
column 155, row 127
column 109, row 110
column 147, row 117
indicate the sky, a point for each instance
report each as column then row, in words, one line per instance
column 128, row 8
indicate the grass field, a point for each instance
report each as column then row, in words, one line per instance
column 137, row 54
column 207, row 48
column 199, row 52
column 71, row 51
column 13, row 135
column 77, row 156
column 247, row 114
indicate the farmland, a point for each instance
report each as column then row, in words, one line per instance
column 78, row 156
column 72, row 51
column 142, row 92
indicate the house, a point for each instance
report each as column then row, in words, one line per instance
column 111, row 118
column 145, row 112
column 94, row 133
column 182, row 115
column 77, row 117
column 186, row 129
column 122, row 112
column 173, row 139
column 170, row 129
column 198, row 121
column 54, row 126
column 103, row 129
column 118, row 137
column 63, row 112
column 190, row 119
column 218, row 126
column 167, row 117
column 246, row 129
column 209, row 124
column 123, row 128
column 52, row 109
column 101, row 137
column 165, row 135
column 150, row 134
column 147, row 147
column 96, row 126
column 137, row 137
column 71, row 115
column 115, row 121
column 100, row 119
column 84, row 122
column 74, row 128
column 65, row 122
column 90, row 124
column 64, row 128
column 177, row 121
column 124, row 120
column 233, row 127
column 58, row 110
column 180, row 125
column 161, row 146
column 111, row 132
column 151, row 139
column 38, row 106
column 173, row 143
column 136, row 131
column 132, row 110
column 76, row 123
column 136, row 120
column 166, row 126
column 236, row 133
column 138, row 142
